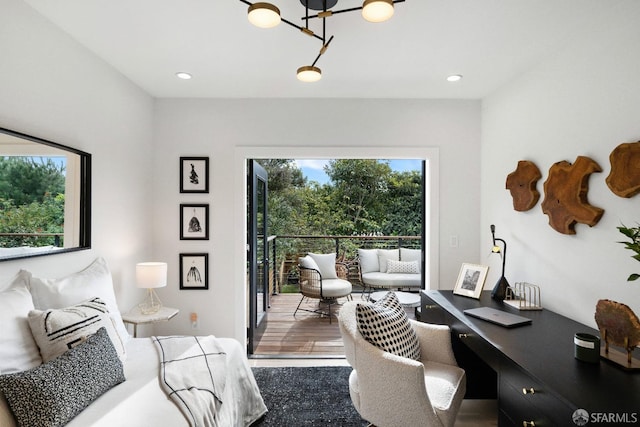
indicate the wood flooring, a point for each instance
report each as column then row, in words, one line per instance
column 305, row 335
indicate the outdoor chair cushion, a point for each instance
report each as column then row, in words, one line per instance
column 336, row 288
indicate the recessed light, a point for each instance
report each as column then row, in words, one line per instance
column 182, row 75
column 454, row 78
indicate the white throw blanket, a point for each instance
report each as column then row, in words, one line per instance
column 200, row 377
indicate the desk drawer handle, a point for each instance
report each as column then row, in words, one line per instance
column 463, row 335
column 430, row 306
column 528, row 424
column 528, row 390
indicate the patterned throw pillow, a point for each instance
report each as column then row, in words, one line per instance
column 53, row 393
column 58, row 330
column 386, row 325
column 403, row 267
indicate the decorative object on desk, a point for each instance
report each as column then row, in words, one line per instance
column 151, row 275
column 522, row 183
column 194, row 222
column 624, row 178
column 565, row 199
column 632, row 233
column 194, row 174
column 194, row 271
column 586, row 347
column 619, row 326
column 471, row 280
column 524, row 296
column 499, row 292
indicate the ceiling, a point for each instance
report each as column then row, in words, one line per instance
column 489, row 42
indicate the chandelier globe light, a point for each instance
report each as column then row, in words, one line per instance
column 264, row 15
column 267, row 15
column 377, row 10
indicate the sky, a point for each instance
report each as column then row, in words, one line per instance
column 313, row 169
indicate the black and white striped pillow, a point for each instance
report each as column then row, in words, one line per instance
column 58, row 330
column 386, row 325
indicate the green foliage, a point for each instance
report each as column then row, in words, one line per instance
column 363, row 197
column 31, row 199
column 633, row 233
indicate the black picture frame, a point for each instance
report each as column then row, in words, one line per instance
column 194, row 221
column 194, row 271
column 194, row 174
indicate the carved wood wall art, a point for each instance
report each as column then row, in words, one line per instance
column 624, row 178
column 522, row 183
column 565, row 200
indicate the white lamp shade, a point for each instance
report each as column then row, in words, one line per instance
column 377, row 10
column 151, row 274
column 264, row 15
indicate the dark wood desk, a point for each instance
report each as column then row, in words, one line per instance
column 538, row 379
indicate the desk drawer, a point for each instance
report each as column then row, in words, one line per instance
column 430, row 312
column 525, row 399
column 519, row 409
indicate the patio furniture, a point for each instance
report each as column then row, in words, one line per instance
column 390, row 268
column 323, row 279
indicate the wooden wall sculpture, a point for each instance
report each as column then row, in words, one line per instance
column 522, row 183
column 624, row 178
column 565, row 200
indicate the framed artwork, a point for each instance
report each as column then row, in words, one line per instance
column 194, row 174
column 194, row 271
column 194, row 222
column 471, row 280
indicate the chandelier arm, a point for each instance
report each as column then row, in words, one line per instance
column 335, row 12
column 322, row 51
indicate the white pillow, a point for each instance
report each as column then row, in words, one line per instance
column 18, row 350
column 403, row 267
column 93, row 281
column 407, row 254
column 308, row 262
column 368, row 260
column 59, row 330
column 386, row 254
column 326, row 265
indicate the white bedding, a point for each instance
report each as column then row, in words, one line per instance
column 139, row 401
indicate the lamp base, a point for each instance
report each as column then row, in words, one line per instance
column 152, row 304
column 499, row 292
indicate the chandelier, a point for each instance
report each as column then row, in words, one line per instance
column 267, row 15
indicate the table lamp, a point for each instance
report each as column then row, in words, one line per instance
column 151, row 275
column 499, row 291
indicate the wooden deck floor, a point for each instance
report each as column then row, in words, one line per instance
column 306, row 334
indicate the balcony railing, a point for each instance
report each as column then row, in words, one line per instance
column 284, row 251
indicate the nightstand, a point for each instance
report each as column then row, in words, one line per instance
column 135, row 317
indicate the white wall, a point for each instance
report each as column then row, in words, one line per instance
column 583, row 101
column 53, row 88
column 229, row 130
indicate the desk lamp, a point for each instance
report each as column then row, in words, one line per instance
column 499, row 291
column 151, row 275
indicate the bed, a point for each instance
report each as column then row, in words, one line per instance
column 107, row 378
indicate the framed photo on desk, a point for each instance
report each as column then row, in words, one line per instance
column 471, row 280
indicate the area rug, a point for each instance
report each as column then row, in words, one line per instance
column 309, row 396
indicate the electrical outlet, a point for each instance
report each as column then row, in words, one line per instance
column 194, row 320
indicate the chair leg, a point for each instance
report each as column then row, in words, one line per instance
column 302, row 299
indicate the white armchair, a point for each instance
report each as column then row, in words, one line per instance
column 388, row 390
